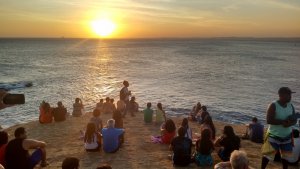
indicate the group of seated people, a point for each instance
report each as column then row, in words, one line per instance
column 109, row 106
column 47, row 114
column 204, row 146
column 111, row 136
column 59, row 113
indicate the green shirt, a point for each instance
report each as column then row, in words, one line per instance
column 148, row 113
column 282, row 113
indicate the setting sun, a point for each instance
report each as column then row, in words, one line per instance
column 103, row 27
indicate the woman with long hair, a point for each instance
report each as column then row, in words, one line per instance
column 160, row 114
column 92, row 138
column 204, row 148
column 208, row 124
column 188, row 130
column 229, row 142
column 46, row 115
column 168, row 131
column 77, row 108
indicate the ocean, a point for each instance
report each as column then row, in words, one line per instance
column 236, row 78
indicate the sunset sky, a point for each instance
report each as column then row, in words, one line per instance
column 151, row 18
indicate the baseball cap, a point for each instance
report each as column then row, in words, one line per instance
column 285, row 90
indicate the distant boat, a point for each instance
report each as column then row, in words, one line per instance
column 15, row 85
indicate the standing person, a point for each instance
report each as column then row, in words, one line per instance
column 17, row 152
column 280, row 127
column 3, row 144
column 204, row 148
column 99, row 106
column 112, row 137
column 148, row 113
column 229, row 142
column 188, row 130
column 208, row 124
column 182, row 148
column 254, row 131
column 124, row 95
column 46, row 115
column 92, row 138
column 60, row 112
column 160, row 114
column 97, row 120
column 77, row 108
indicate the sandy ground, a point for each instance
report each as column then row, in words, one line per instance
column 138, row 152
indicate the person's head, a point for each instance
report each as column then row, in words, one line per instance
column 228, row 131
column 107, row 99
column 112, row 100
column 204, row 108
column 96, row 113
column 199, row 104
column 285, row 94
column 132, row 99
column 126, row 83
column 110, row 123
column 104, row 166
column 254, row 120
column 149, row 105
column 185, row 123
column 295, row 133
column 170, row 126
column 59, row 104
column 239, row 160
column 77, row 100
column 89, row 133
column 181, row 131
column 159, row 106
column 47, row 107
column 101, row 100
column 3, row 138
column 20, row 132
column 70, row 163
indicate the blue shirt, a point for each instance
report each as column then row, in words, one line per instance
column 256, row 132
column 111, row 139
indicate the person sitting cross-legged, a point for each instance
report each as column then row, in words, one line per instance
column 17, row 152
column 148, row 113
column 112, row 137
column 182, row 148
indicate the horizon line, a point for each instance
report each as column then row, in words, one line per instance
column 150, row 38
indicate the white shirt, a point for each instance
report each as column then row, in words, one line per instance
column 188, row 133
column 92, row 145
column 296, row 151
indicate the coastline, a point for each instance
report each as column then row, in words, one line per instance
column 63, row 140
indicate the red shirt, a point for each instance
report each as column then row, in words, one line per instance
column 2, row 154
column 167, row 137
